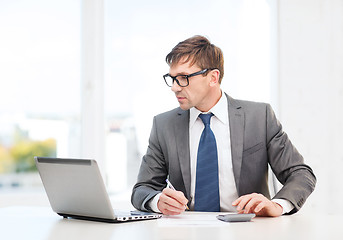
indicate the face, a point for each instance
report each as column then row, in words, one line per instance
column 199, row 92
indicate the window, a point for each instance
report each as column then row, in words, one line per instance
column 43, row 49
column 40, row 86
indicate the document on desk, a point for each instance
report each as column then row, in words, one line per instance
column 187, row 219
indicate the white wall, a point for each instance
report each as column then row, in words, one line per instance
column 311, row 91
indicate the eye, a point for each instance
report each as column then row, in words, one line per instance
column 182, row 78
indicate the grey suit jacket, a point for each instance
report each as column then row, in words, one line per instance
column 257, row 139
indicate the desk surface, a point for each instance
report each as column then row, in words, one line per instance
column 41, row 223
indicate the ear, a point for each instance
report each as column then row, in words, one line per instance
column 214, row 75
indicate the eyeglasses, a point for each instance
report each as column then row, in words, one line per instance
column 181, row 80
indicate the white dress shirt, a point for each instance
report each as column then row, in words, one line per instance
column 221, row 130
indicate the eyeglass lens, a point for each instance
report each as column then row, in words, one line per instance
column 181, row 80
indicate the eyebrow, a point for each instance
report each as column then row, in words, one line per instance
column 179, row 74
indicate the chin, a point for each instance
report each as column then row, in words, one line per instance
column 184, row 107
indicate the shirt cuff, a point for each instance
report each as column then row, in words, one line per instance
column 286, row 205
column 153, row 203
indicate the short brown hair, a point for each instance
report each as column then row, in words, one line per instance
column 199, row 51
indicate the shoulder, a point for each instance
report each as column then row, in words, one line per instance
column 259, row 111
column 171, row 114
column 174, row 116
column 163, row 123
column 247, row 106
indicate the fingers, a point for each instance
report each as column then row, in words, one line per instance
column 175, row 195
column 247, row 203
column 172, row 202
column 258, row 204
column 255, row 200
column 242, row 201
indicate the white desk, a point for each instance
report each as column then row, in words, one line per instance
column 41, row 223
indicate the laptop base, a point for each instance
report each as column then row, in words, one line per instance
column 95, row 219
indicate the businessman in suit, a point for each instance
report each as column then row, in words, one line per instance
column 218, row 164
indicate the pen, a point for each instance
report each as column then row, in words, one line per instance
column 169, row 185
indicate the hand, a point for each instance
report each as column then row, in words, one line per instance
column 258, row 204
column 172, row 202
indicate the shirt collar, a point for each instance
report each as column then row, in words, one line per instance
column 220, row 110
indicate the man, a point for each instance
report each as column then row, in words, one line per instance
column 218, row 164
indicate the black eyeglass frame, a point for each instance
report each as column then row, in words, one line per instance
column 186, row 76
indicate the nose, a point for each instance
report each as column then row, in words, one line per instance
column 176, row 87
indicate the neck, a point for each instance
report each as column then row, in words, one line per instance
column 211, row 101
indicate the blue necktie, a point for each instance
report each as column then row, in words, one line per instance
column 207, row 184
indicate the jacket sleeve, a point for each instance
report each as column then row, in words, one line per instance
column 287, row 164
column 152, row 173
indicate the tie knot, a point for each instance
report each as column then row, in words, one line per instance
column 206, row 118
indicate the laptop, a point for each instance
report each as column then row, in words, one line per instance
column 76, row 189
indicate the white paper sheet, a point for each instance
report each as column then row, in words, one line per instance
column 187, row 219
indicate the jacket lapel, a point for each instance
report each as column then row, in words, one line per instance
column 236, row 120
column 181, row 129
